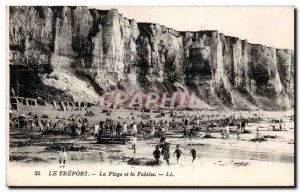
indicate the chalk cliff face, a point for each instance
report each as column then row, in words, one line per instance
column 102, row 50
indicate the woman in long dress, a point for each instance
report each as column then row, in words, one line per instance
column 167, row 152
column 124, row 128
column 152, row 131
column 134, row 127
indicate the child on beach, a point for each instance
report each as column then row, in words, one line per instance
column 194, row 154
column 156, row 154
column 258, row 136
column 63, row 156
column 178, row 153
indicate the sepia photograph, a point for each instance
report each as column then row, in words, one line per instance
column 150, row 96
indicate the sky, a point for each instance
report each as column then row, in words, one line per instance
column 271, row 26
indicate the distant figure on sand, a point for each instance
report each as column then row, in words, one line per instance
column 184, row 133
column 63, row 156
column 162, row 142
column 134, row 127
column 222, row 132
column 167, row 152
column 238, row 131
column 124, row 127
column 152, row 131
column 156, row 154
column 227, row 132
column 73, row 129
column 257, row 136
column 118, row 128
column 96, row 130
column 134, row 141
column 194, row 154
column 83, row 130
column 178, row 153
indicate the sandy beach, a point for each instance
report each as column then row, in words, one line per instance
column 227, row 160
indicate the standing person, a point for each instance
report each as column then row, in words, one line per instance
column 73, row 129
column 101, row 130
column 243, row 125
column 124, row 127
column 78, row 127
column 83, row 130
column 227, row 131
column 194, row 154
column 36, row 119
column 178, row 153
column 162, row 144
column 184, row 133
column 48, row 124
column 63, row 156
column 96, row 130
column 111, row 127
column 134, row 127
column 134, row 142
column 156, row 154
column 118, row 128
column 257, row 137
column 238, row 131
column 222, row 132
column 186, row 122
column 167, row 152
column 32, row 125
column 152, row 131
column 191, row 133
column 41, row 125
column 167, row 125
column 197, row 121
column 211, row 126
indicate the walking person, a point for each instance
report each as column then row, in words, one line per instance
column 194, row 154
column 178, row 153
column 156, row 154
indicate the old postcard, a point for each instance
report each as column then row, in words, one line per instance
column 150, row 96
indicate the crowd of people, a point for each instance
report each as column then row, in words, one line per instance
column 78, row 126
column 163, row 149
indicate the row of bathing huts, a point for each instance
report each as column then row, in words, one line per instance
column 15, row 103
